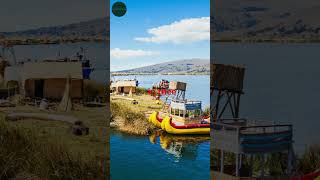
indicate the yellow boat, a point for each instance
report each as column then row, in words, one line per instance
column 171, row 128
column 184, row 118
column 155, row 119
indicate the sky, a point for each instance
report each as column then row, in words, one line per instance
column 155, row 31
column 16, row 15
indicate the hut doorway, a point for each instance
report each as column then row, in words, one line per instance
column 39, row 88
column 121, row 89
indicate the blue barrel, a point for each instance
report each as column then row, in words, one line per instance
column 86, row 73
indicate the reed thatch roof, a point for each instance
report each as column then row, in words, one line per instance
column 125, row 83
column 48, row 70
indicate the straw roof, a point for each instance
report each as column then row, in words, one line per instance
column 125, row 83
column 47, row 70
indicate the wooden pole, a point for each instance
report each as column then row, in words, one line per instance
column 237, row 164
column 217, row 106
column 237, row 106
column 222, row 161
column 251, row 165
column 262, row 165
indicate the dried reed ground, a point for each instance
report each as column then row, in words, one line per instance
column 132, row 118
column 48, row 150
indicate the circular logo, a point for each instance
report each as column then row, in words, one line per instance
column 119, row 9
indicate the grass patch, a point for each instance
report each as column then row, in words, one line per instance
column 48, row 149
column 132, row 118
column 22, row 152
column 310, row 160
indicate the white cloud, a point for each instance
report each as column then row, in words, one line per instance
column 183, row 31
column 129, row 53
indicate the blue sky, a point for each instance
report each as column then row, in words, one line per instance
column 181, row 31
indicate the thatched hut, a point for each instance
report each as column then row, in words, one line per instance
column 124, row 86
column 48, row 79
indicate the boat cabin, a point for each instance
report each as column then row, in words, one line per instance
column 184, row 112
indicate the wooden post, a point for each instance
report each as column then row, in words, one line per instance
column 237, row 105
column 251, row 165
column 262, row 165
column 240, row 161
column 217, row 106
column 237, row 164
column 221, row 161
column 290, row 159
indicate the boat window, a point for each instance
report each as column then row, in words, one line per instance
column 177, row 112
column 181, row 113
column 190, row 113
column 197, row 112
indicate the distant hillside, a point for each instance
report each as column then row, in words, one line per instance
column 189, row 66
column 266, row 19
column 96, row 27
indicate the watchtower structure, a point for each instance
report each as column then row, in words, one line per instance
column 179, row 88
column 244, row 139
column 226, row 89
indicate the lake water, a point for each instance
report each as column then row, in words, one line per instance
column 138, row 157
column 282, row 84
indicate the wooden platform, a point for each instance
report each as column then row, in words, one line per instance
column 242, row 136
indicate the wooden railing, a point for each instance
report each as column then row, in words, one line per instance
column 241, row 136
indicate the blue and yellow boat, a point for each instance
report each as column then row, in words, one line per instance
column 184, row 117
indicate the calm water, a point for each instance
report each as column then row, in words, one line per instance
column 133, row 157
column 181, row 159
column 282, row 84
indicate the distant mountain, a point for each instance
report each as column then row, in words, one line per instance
column 96, row 27
column 189, row 66
column 266, row 19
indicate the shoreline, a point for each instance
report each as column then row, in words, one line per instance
column 277, row 41
column 159, row 74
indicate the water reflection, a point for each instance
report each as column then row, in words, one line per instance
column 179, row 146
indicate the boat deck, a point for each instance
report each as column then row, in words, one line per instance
column 242, row 136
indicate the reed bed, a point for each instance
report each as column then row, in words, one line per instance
column 130, row 120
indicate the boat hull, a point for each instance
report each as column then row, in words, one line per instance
column 167, row 125
column 169, row 128
column 154, row 119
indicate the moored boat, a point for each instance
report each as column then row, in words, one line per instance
column 172, row 128
column 184, row 117
column 156, row 119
